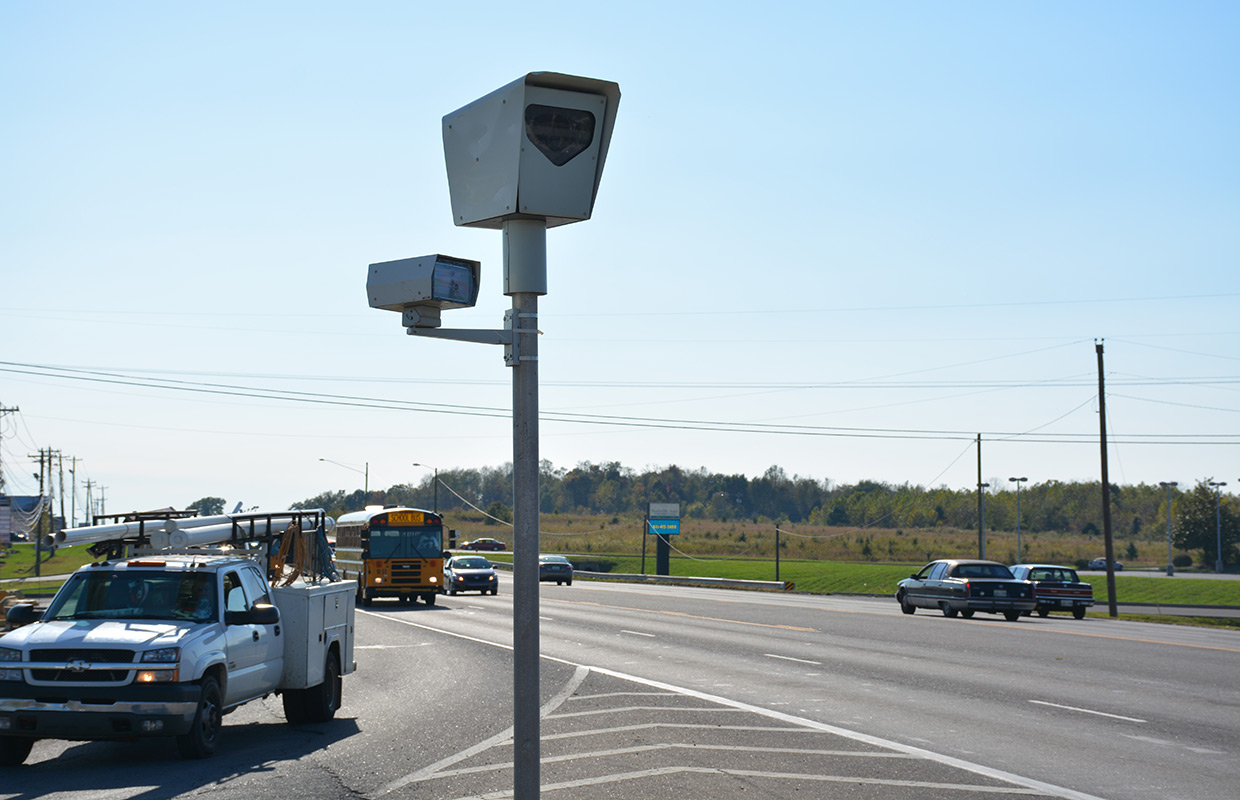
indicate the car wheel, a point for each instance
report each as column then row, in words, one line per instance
column 204, row 732
column 1044, row 612
column 905, row 605
column 495, row 591
column 1011, row 616
column 1078, row 612
column 570, row 581
column 14, row 749
column 948, row 611
column 967, row 613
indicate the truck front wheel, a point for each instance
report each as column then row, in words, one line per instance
column 14, row 749
column 204, row 733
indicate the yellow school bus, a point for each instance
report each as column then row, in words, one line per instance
column 391, row 552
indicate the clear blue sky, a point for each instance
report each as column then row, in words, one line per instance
column 876, row 229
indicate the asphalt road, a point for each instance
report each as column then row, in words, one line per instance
column 658, row 691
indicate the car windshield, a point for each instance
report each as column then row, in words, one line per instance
column 136, row 594
column 470, row 563
column 554, row 559
column 981, row 571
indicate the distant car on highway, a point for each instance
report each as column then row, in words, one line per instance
column 469, row 574
column 964, row 587
column 484, row 544
column 1056, row 588
column 555, row 568
column 1101, row 563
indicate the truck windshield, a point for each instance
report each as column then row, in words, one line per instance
column 136, row 594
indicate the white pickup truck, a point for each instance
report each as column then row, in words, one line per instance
column 166, row 645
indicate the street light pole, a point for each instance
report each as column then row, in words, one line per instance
column 1218, row 522
column 364, row 472
column 435, row 480
column 1018, row 482
column 1169, row 485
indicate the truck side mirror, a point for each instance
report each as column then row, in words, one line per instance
column 260, row 614
column 23, row 614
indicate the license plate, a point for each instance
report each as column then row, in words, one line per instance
column 1000, row 592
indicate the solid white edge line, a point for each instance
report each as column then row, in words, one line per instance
column 790, row 658
column 1087, row 711
column 978, row 769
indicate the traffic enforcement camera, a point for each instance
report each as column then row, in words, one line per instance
column 421, row 287
column 533, row 149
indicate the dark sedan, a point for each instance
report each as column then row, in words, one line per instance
column 469, row 574
column 1057, row 588
column 964, row 587
column 484, row 544
column 555, row 568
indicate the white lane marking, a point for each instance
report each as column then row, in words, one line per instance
column 741, row 773
column 1048, row 789
column 638, row 633
column 790, row 658
column 596, row 712
column 1088, row 711
column 388, row 646
column 503, row 737
column 664, row 747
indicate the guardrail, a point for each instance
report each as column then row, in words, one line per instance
column 676, row 580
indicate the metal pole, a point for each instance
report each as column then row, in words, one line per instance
column 1018, row 482
column 1018, row 523
column 525, row 259
column 1169, row 485
column 1218, row 522
column 981, row 505
column 776, row 552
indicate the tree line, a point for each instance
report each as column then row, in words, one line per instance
column 1138, row 513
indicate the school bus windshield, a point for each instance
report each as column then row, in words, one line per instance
column 406, row 542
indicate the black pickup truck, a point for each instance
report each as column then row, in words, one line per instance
column 1057, row 588
column 964, row 587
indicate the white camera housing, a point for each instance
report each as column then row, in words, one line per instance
column 533, row 149
column 420, row 287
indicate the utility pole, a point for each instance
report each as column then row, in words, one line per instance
column 60, row 461
column 90, row 509
column 103, row 505
column 73, row 493
column 38, row 532
column 981, row 507
column 4, row 411
column 1113, row 605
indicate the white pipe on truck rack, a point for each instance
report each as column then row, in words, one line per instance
column 104, row 533
column 216, row 534
column 181, row 532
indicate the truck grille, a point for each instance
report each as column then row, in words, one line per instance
column 90, row 656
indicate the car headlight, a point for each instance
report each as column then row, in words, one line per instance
column 10, row 654
column 156, row 676
column 163, row 655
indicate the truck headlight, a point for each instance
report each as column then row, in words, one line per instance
column 163, row 655
column 156, row 676
column 9, row 655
